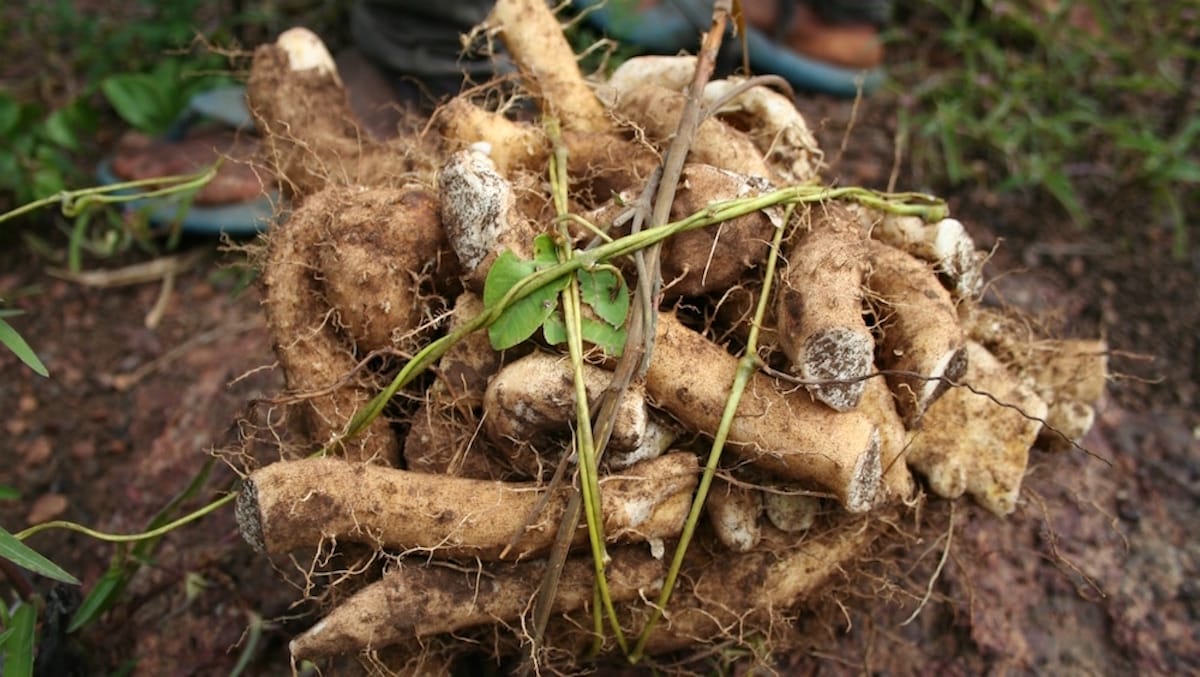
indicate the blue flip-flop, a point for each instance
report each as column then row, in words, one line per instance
column 673, row 26
column 226, row 105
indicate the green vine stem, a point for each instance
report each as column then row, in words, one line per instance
column 74, row 202
column 129, row 538
column 747, row 366
column 589, row 480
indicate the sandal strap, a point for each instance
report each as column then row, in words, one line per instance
column 878, row 13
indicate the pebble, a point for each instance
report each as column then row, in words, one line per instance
column 83, row 449
column 47, row 507
column 16, row 426
column 27, row 404
column 38, row 451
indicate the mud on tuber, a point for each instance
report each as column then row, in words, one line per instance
column 457, row 478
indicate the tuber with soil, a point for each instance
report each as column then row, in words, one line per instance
column 623, row 378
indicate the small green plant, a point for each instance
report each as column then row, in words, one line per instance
column 1082, row 102
column 13, row 341
column 145, row 69
column 602, row 290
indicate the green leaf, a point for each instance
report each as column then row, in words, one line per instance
column 554, row 330
column 522, row 318
column 58, row 129
column 139, row 100
column 13, row 341
column 606, row 293
column 110, row 585
column 24, row 556
column 593, row 331
column 8, row 493
column 17, row 648
column 47, row 181
column 10, row 114
column 545, row 252
column 1059, row 186
column 67, row 125
column 611, row 339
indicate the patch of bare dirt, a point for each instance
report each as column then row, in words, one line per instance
column 123, row 424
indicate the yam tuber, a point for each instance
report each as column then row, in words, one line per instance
column 786, row 434
column 717, row 257
column 514, row 145
column 551, row 74
column 970, row 443
column 944, row 243
column 770, row 118
column 922, row 341
column 379, row 249
column 311, row 136
column 530, row 404
column 656, row 111
column 292, row 504
column 819, row 309
column 315, row 359
column 733, row 511
column 479, row 212
column 879, row 405
column 420, row 600
column 726, row 596
column 791, row 512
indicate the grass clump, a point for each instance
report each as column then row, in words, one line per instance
column 1089, row 102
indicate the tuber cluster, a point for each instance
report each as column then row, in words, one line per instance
column 792, row 357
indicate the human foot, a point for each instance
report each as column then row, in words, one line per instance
column 843, row 38
column 140, row 157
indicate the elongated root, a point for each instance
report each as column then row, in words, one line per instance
column 314, row 357
column 819, row 310
column 294, row 504
column 419, row 600
column 786, row 434
column 552, row 75
column 922, row 342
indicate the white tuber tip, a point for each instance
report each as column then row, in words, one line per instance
column 481, row 147
column 305, row 51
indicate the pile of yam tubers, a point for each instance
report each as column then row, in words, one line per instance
column 760, row 363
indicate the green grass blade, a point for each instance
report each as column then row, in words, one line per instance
column 108, row 588
column 17, row 648
column 122, row 567
column 13, row 341
column 253, row 638
column 26, row 557
column 8, row 493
